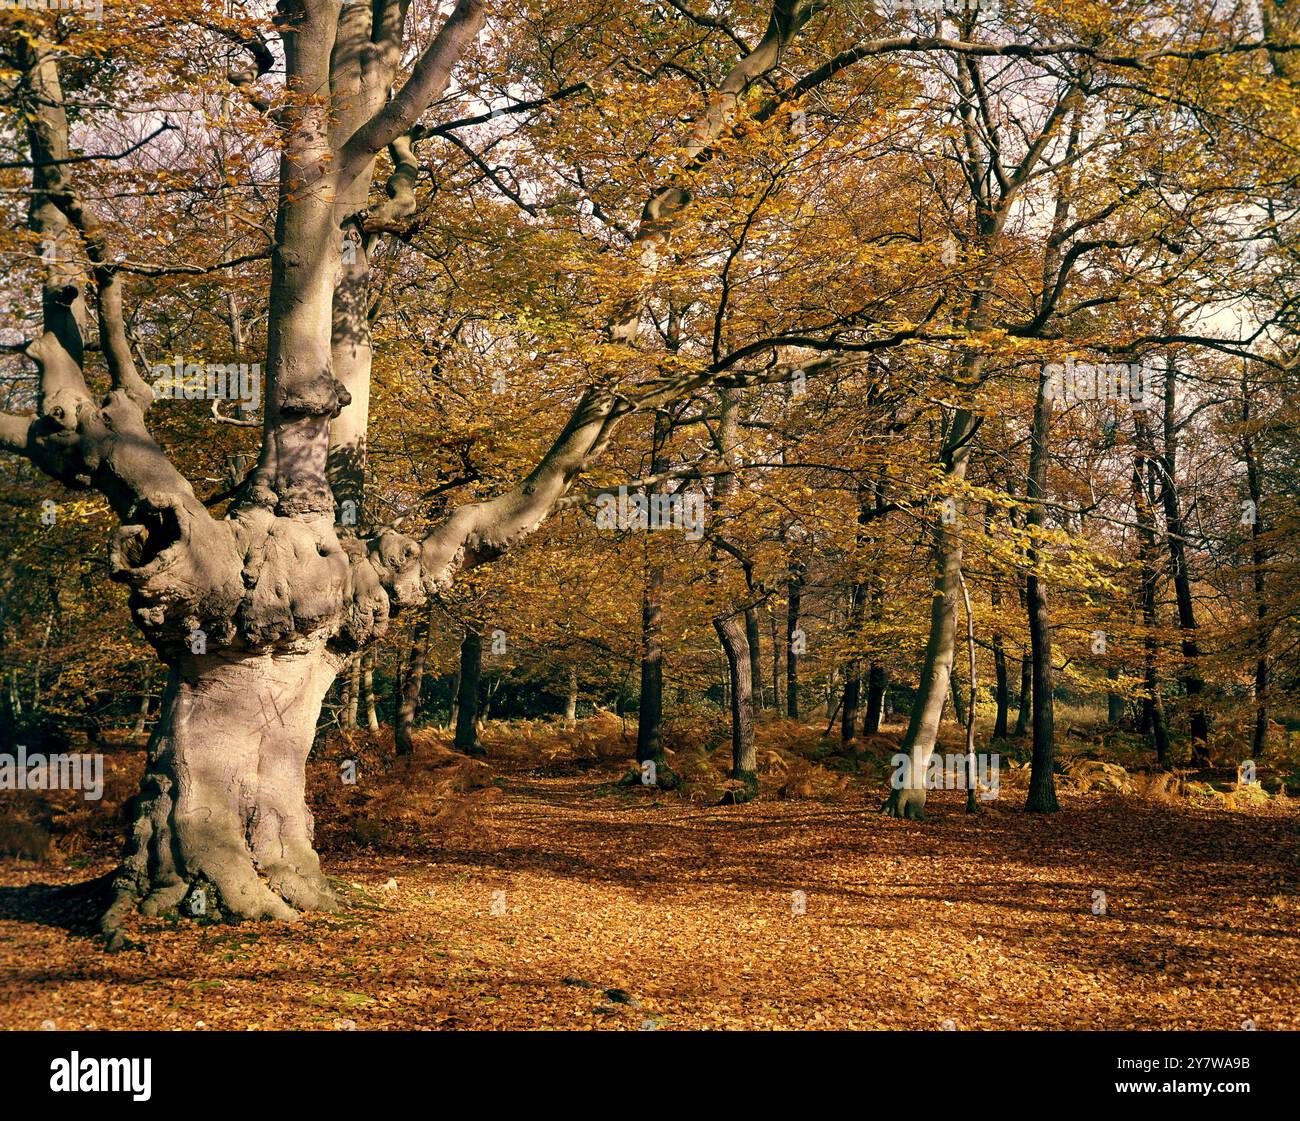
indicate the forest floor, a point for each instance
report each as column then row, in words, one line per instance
column 529, row 890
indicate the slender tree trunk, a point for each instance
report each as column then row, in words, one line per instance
column 794, row 638
column 1042, row 780
column 485, row 710
column 1193, row 683
column 650, row 714
column 972, row 770
column 142, row 715
column 1024, row 704
column 958, row 703
column 571, row 701
column 1002, row 686
column 44, row 649
column 1114, row 701
column 877, row 683
column 368, row 687
column 936, row 669
column 877, row 674
column 453, row 701
column 734, row 628
column 755, row 659
column 1258, row 559
column 467, row 694
column 1153, row 721
column 1024, row 700
column 400, row 668
column 849, row 705
column 778, row 702
column 354, row 691
column 649, row 730
column 744, row 762
column 412, row 684
column 853, row 667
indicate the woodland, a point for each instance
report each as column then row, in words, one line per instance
column 771, row 514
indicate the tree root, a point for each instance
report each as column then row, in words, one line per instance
column 905, row 803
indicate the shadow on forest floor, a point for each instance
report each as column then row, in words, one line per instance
column 75, row 908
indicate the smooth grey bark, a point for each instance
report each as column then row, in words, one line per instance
column 936, row 670
column 732, row 628
column 142, row 715
column 453, row 703
column 218, row 806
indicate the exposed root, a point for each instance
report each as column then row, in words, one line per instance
column 906, row 803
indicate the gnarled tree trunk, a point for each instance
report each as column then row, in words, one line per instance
column 224, row 793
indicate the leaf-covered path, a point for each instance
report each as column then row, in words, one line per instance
column 566, row 903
